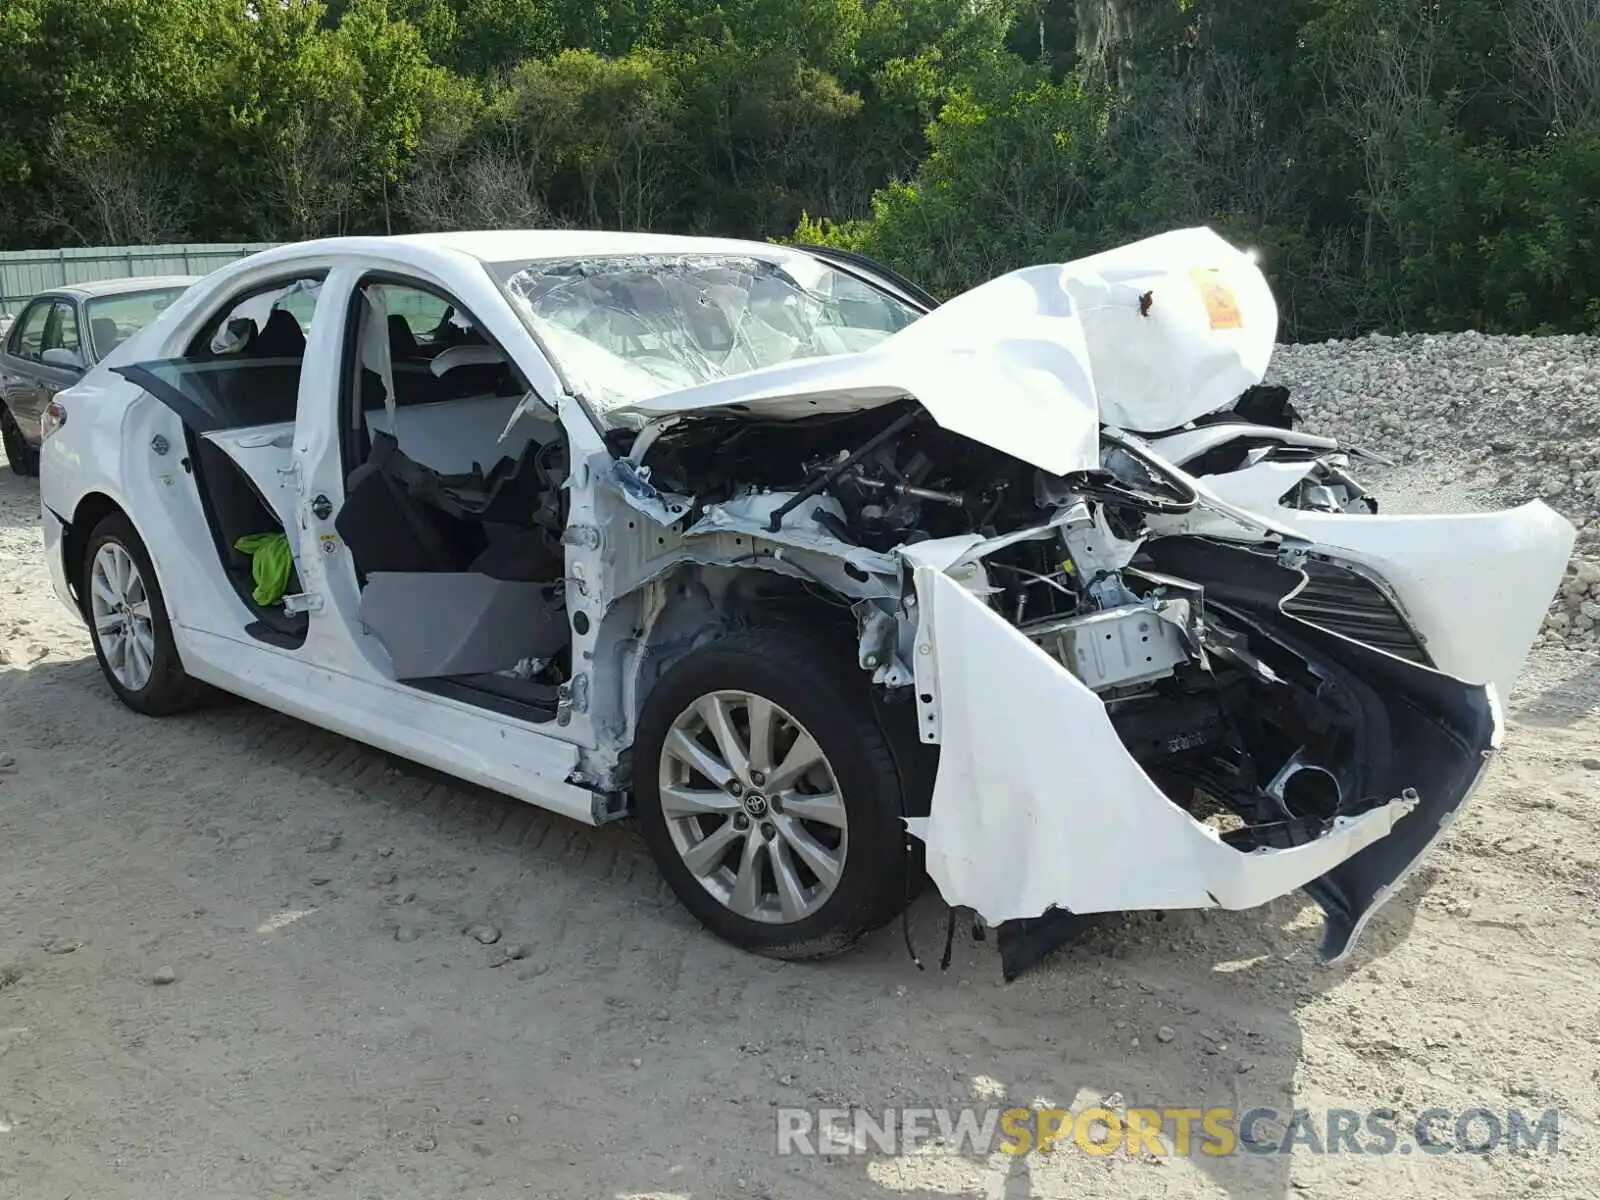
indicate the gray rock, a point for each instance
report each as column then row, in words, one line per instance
column 162, row 976
column 487, row 934
column 1165, row 1034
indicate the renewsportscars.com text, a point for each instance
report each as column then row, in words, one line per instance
column 1165, row 1131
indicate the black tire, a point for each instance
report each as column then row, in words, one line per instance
column 827, row 693
column 169, row 689
column 23, row 458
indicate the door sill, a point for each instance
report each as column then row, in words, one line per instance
column 263, row 632
column 456, row 689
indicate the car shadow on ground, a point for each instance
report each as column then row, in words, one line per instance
column 1573, row 697
column 1184, row 1010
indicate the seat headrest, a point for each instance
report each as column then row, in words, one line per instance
column 106, row 335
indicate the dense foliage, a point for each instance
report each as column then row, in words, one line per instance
column 1398, row 163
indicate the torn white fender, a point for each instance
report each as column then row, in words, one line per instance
column 1037, row 805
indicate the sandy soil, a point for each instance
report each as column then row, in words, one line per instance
column 333, row 1032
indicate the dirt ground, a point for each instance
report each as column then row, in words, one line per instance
column 332, row 1032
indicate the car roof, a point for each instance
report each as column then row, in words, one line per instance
column 527, row 245
column 93, row 289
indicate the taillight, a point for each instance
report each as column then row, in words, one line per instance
column 55, row 416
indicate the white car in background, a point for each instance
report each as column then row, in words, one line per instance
column 825, row 588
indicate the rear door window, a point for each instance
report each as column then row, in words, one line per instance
column 243, row 370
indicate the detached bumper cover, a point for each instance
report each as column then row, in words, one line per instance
column 1037, row 805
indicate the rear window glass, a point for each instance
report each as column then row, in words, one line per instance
column 114, row 319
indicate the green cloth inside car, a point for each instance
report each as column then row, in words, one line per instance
column 270, row 564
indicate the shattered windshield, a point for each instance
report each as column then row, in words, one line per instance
column 625, row 328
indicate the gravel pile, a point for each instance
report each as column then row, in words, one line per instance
column 1502, row 420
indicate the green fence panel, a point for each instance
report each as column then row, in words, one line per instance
column 26, row 273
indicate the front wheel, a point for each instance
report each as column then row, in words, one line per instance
column 23, row 458
column 128, row 623
column 769, row 796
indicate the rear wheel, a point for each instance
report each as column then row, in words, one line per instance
column 23, row 458
column 769, row 796
column 128, row 623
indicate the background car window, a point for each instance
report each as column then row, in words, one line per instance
column 27, row 340
column 114, row 319
column 62, row 331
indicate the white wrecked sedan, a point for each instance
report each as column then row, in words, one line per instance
column 826, row 585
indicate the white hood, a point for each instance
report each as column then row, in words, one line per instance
column 1033, row 362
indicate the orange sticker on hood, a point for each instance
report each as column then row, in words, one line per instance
column 1222, row 306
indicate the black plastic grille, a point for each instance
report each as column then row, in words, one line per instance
column 1343, row 602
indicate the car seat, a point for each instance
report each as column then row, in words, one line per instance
column 402, row 342
column 280, row 337
column 106, row 335
column 396, row 518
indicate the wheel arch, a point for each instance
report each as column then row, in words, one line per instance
column 648, row 631
column 91, row 508
column 694, row 605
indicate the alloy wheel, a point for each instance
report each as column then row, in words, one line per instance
column 120, row 609
column 753, row 807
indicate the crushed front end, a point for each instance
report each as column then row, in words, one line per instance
column 1128, row 721
column 1140, row 694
